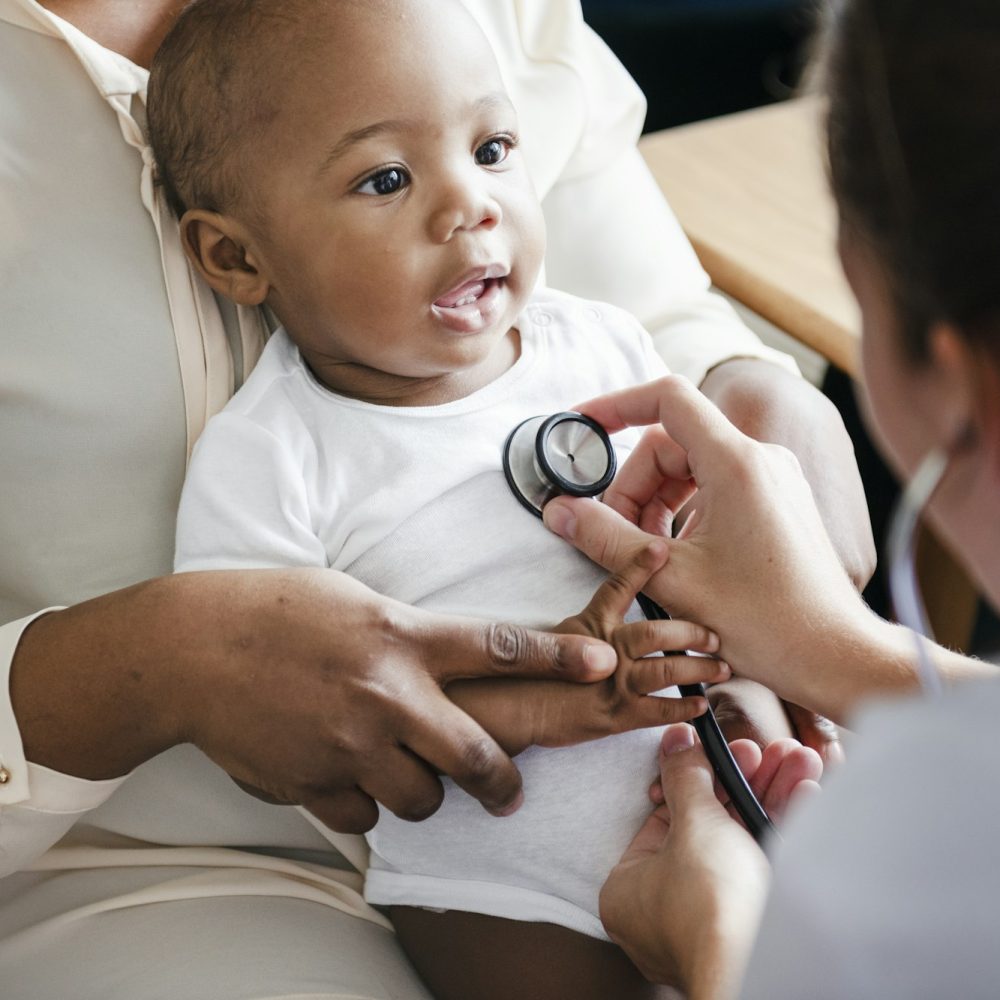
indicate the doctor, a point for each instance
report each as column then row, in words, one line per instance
column 887, row 884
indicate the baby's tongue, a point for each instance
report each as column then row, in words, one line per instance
column 462, row 295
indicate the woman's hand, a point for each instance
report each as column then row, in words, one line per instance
column 303, row 684
column 519, row 714
column 753, row 562
column 685, row 900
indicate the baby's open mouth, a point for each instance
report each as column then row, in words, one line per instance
column 474, row 302
column 477, row 284
column 466, row 294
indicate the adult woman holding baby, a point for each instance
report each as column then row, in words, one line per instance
column 115, row 361
column 886, row 884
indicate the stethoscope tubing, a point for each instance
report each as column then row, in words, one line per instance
column 732, row 779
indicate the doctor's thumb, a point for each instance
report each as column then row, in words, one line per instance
column 599, row 532
column 685, row 773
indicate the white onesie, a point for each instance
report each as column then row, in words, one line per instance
column 413, row 502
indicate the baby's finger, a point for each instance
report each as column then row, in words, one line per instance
column 637, row 639
column 614, row 597
column 650, row 710
column 654, row 673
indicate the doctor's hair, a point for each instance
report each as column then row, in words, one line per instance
column 913, row 135
column 217, row 82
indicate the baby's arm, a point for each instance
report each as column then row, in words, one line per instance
column 553, row 714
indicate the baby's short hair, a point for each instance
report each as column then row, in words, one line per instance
column 211, row 93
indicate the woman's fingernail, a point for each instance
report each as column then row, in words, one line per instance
column 600, row 657
column 725, row 671
column 513, row 807
column 558, row 519
column 677, row 738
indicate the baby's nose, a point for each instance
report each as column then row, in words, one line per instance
column 464, row 208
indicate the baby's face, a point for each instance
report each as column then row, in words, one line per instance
column 402, row 234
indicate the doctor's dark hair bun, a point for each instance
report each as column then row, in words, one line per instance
column 914, row 150
column 214, row 86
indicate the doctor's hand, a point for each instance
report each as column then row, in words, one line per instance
column 302, row 684
column 685, row 900
column 753, row 562
column 519, row 714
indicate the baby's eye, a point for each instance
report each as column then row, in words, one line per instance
column 494, row 151
column 387, row 181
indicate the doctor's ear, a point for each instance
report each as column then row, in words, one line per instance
column 968, row 379
column 216, row 246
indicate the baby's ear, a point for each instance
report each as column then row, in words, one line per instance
column 216, row 246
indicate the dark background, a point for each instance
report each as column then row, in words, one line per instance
column 697, row 59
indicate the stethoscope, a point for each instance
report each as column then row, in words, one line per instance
column 570, row 454
column 904, row 590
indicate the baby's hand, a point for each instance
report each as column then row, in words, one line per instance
column 625, row 700
column 519, row 714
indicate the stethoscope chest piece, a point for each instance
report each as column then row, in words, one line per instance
column 564, row 454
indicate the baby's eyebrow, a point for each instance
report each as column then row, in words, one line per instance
column 496, row 100
column 352, row 138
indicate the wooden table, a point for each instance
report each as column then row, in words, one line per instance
column 750, row 191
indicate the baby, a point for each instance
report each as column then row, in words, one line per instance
column 354, row 166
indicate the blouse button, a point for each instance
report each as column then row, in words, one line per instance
column 4, row 775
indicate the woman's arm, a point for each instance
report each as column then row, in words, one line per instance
column 301, row 683
column 753, row 563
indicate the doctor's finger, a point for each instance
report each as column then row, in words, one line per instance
column 596, row 530
column 687, row 779
column 747, row 755
column 606, row 538
column 656, row 469
column 695, row 423
column 440, row 733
